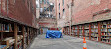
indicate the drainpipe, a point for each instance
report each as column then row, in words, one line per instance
column 70, row 17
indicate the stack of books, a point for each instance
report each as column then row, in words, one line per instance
column 5, row 27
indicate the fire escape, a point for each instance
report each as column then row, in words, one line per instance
column 47, row 12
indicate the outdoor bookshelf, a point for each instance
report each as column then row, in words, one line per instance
column 94, row 31
column 72, row 31
column 7, row 35
column 106, row 32
column 68, row 30
column 109, row 31
column 80, row 31
column 75, row 31
column 15, row 35
column 86, row 30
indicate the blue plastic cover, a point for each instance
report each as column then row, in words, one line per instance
column 53, row 34
column 2, row 46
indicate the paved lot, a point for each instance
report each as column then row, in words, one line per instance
column 66, row 42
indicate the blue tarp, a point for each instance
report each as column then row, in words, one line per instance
column 53, row 34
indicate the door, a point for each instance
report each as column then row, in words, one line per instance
column 45, row 30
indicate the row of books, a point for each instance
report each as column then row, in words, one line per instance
column 26, row 34
column 86, row 34
column 19, row 45
column 104, row 23
column 104, row 26
column 86, row 31
column 109, row 30
column 104, row 40
column 109, row 26
column 81, row 31
column 11, row 47
column 94, row 39
column 5, row 47
column 75, row 30
column 86, row 27
column 94, row 26
column 7, row 42
column 109, row 22
column 75, row 33
column 110, row 40
column 105, row 37
column 103, row 30
column 80, row 27
column 5, row 27
column 94, row 35
column 94, row 30
column 109, row 34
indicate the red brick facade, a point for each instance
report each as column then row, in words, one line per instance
column 83, row 11
column 20, row 10
column 48, row 22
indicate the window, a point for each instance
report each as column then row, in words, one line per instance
column 63, row 11
column 40, row 1
column 44, row 1
column 59, row 16
column 59, row 6
column 63, row 2
column 37, row 4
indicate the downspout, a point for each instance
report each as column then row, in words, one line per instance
column 70, row 17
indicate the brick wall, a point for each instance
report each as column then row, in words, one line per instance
column 83, row 11
column 64, row 17
column 47, row 22
column 20, row 10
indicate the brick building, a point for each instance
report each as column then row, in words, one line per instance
column 85, row 18
column 22, row 11
column 63, row 12
column 82, row 11
column 17, row 23
column 47, row 14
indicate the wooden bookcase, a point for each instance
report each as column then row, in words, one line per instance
column 75, row 31
column 68, row 30
column 81, row 31
column 7, row 35
column 94, row 31
column 64, row 31
column 86, row 30
column 16, row 36
column 73, row 28
column 106, row 32
column 109, row 30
